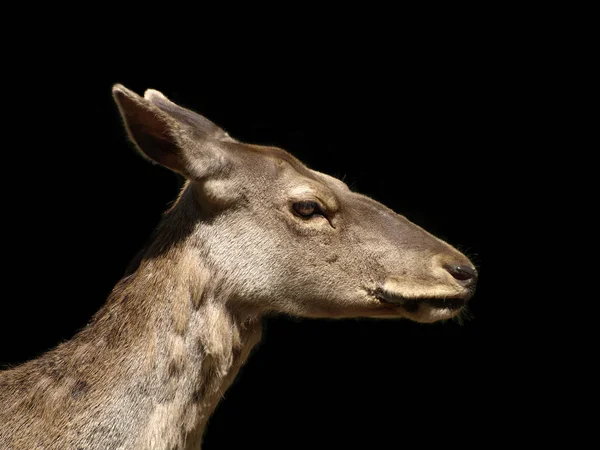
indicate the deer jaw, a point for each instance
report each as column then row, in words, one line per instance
column 292, row 240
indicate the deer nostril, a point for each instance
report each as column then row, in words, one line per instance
column 465, row 274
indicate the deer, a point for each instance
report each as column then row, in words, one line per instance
column 253, row 232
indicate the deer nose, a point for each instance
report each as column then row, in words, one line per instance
column 465, row 275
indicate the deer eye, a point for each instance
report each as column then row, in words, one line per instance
column 307, row 209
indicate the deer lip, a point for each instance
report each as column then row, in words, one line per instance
column 412, row 304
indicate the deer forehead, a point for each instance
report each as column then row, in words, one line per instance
column 298, row 182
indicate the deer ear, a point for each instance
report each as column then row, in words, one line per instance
column 187, row 117
column 156, row 134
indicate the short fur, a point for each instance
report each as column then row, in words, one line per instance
column 150, row 367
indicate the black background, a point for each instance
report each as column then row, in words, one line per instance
column 426, row 136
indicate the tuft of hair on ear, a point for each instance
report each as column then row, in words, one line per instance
column 159, row 100
column 155, row 96
column 119, row 88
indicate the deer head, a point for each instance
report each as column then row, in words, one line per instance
column 285, row 238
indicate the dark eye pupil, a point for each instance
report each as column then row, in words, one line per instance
column 306, row 209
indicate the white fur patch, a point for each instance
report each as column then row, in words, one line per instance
column 417, row 289
column 152, row 93
column 440, row 313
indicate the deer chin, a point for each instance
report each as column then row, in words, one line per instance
column 425, row 309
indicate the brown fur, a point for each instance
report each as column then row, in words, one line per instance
column 149, row 369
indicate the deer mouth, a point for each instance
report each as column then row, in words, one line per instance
column 413, row 304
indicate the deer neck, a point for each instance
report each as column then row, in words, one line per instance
column 151, row 366
column 194, row 343
column 193, row 338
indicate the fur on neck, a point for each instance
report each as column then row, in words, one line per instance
column 147, row 371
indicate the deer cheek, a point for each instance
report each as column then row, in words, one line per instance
column 315, row 227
